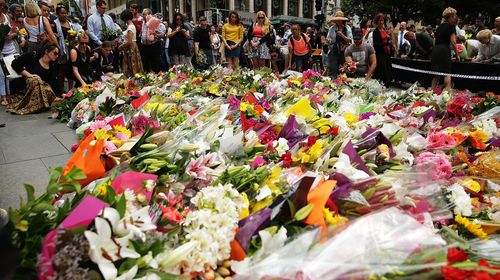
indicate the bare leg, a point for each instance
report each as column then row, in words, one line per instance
column 435, row 82
column 447, row 82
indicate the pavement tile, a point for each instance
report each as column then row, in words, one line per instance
column 67, row 138
column 6, row 117
column 14, row 175
column 32, row 127
column 56, row 161
column 30, row 147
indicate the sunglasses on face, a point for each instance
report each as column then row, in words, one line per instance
column 83, row 43
column 260, row 17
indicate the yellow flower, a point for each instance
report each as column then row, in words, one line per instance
column 471, row 227
column 350, row 118
column 214, row 89
column 323, row 125
column 471, row 184
column 178, row 94
column 314, row 152
column 302, row 108
column 244, row 106
column 479, row 134
column 72, row 33
column 124, row 130
column 474, row 201
column 295, row 82
column 138, row 75
column 23, row 32
column 384, row 152
column 101, row 133
column 333, row 219
column 245, row 212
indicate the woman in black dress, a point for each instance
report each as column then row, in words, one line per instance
column 80, row 59
column 382, row 45
column 178, row 36
column 39, row 82
column 441, row 54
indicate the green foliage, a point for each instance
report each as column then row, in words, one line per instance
column 29, row 224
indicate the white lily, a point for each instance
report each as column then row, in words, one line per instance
column 136, row 223
column 105, row 249
column 130, row 274
column 343, row 165
column 171, row 259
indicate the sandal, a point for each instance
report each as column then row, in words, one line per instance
column 4, row 103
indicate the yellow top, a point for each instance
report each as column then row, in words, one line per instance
column 232, row 32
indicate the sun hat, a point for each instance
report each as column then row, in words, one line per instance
column 339, row 15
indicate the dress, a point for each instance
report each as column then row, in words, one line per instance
column 261, row 51
column 36, row 94
column 382, row 46
column 131, row 56
column 441, row 53
column 233, row 34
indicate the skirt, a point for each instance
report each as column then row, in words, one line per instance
column 441, row 58
column 233, row 53
column 131, row 60
column 36, row 97
column 261, row 52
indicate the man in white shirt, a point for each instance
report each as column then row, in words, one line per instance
column 401, row 38
column 99, row 22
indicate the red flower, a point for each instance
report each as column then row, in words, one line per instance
column 171, row 214
column 287, row 159
column 333, row 131
column 476, row 143
column 438, row 91
column 456, row 255
column 452, row 273
column 311, row 140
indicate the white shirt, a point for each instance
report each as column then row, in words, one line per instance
column 133, row 30
column 401, row 38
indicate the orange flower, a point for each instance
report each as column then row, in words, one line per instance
column 464, row 158
column 259, row 109
column 459, row 137
column 476, row 143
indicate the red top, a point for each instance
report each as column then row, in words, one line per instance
column 257, row 31
column 385, row 41
column 137, row 21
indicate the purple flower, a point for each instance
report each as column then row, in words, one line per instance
column 366, row 115
column 139, row 124
column 234, row 103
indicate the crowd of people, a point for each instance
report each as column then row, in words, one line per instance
column 45, row 52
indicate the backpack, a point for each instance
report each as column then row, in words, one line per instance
column 303, row 38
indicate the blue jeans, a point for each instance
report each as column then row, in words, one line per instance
column 4, row 83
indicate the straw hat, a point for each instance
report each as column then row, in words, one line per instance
column 339, row 15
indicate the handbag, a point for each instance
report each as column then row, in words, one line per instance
column 6, row 64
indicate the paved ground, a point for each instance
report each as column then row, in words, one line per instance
column 29, row 146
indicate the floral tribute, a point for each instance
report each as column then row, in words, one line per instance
column 248, row 175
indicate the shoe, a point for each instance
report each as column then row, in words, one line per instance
column 4, row 103
column 4, row 217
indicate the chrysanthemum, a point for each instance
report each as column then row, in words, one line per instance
column 471, row 227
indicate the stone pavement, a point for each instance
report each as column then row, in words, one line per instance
column 29, row 146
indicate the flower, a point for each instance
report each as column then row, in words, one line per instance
column 106, row 249
column 440, row 140
column 471, row 227
column 343, row 166
column 460, row 199
column 99, row 125
column 281, row 146
column 439, row 163
column 351, row 119
column 480, row 135
column 456, row 255
column 471, row 185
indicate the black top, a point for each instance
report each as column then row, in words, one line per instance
column 178, row 44
column 202, row 36
column 444, row 32
column 31, row 63
column 65, row 31
column 83, row 64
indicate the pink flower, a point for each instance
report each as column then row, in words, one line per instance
column 234, row 103
column 122, row 136
column 67, row 94
column 440, row 140
column 258, row 161
column 438, row 164
column 109, row 147
column 98, row 125
column 139, row 124
column 197, row 169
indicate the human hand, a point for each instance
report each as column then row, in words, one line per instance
column 33, row 76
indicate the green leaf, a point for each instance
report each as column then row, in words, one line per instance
column 291, row 205
column 156, row 248
column 76, row 174
column 303, row 212
column 126, row 265
column 43, row 206
column 30, row 192
column 121, row 206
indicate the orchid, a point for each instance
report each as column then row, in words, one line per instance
column 343, row 166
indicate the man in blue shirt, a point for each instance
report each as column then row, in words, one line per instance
column 99, row 22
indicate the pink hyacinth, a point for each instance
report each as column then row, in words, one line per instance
column 438, row 163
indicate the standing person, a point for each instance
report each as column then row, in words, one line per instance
column 339, row 37
column 479, row 25
column 63, row 26
column 39, row 80
column 9, row 48
column 401, row 39
column 232, row 37
column 131, row 57
column 189, row 58
column 152, row 32
column 299, row 50
column 76, row 24
column 203, row 44
column 362, row 54
column 259, row 34
column 37, row 26
column 441, row 54
column 178, row 36
column 215, row 41
column 46, row 10
column 137, row 19
column 382, row 45
column 117, row 26
column 80, row 59
column 496, row 30
column 99, row 23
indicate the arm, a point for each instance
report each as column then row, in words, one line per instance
column 373, row 66
column 48, row 29
column 171, row 33
column 73, row 56
column 92, row 31
column 453, row 40
column 290, row 54
column 22, row 62
column 224, row 37
column 240, row 36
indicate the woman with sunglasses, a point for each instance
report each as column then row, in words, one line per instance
column 35, row 91
column 80, row 59
column 178, row 36
column 259, row 35
column 232, row 37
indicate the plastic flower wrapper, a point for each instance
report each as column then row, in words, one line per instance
column 377, row 244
